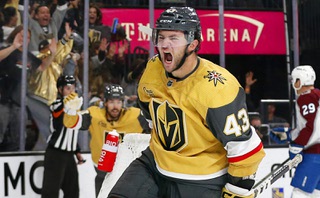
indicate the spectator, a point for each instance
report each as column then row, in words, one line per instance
column 108, row 67
column 101, row 121
column 249, row 82
column 96, row 97
column 112, row 70
column 261, row 130
column 74, row 17
column 130, row 83
column 99, row 38
column 60, row 168
column 10, row 21
column 42, row 90
column 94, row 82
column 275, row 120
column 42, row 84
column 97, row 30
column 10, row 70
column 15, row 4
column 42, row 25
column 95, row 15
column 32, row 8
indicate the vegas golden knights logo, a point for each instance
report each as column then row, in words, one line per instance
column 170, row 125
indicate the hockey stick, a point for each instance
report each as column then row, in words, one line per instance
column 272, row 177
column 145, row 29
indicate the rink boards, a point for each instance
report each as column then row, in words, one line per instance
column 21, row 174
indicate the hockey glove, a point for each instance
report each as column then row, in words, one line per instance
column 281, row 135
column 72, row 103
column 232, row 191
column 295, row 149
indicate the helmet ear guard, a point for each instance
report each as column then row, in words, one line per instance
column 305, row 74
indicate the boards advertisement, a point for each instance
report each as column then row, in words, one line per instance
column 21, row 175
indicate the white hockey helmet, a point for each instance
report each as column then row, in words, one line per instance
column 305, row 74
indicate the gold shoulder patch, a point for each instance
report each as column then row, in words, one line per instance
column 215, row 77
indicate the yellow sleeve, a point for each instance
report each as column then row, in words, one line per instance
column 248, row 166
column 63, row 50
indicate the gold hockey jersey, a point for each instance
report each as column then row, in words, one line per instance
column 201, row 127
column 94, row 118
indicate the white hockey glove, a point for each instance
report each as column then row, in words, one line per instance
column 281, row 135
column 72, row 103
column 232, row 191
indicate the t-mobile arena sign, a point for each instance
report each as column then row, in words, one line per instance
column 245, row 32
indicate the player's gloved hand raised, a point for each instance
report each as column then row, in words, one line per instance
column 232, row 191
column 295, row 149
column 281, row 135
column 72, row 103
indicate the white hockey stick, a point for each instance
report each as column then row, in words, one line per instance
column 145, row 29
column 272, row 177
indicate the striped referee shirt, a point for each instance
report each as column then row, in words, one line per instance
column 61, row 138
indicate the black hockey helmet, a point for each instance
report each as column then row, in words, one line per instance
column 65, row 80
column 179, row 18
column 113, row 91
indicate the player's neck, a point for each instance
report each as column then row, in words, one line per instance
column 305, row 89
column 188, row 66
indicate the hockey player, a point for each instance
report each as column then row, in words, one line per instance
column 100, row 121
column 305, row 138
column 60, row 168
column 202, row 144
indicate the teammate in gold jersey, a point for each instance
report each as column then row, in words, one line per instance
column 202, row 144
column 100, row 121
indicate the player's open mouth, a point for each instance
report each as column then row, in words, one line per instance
column 167, row 57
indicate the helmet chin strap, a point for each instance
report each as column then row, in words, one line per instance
column 186, row 54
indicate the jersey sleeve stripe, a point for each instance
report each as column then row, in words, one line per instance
column 245, row 156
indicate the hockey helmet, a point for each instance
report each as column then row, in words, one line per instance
column 305, row 74
column 179, row 18
column 113, row 92
column 65, row 80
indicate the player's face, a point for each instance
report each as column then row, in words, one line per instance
column 171, row 46
column 113, row 107
column 68, row 89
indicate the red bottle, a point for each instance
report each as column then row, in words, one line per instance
column 109, row 152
